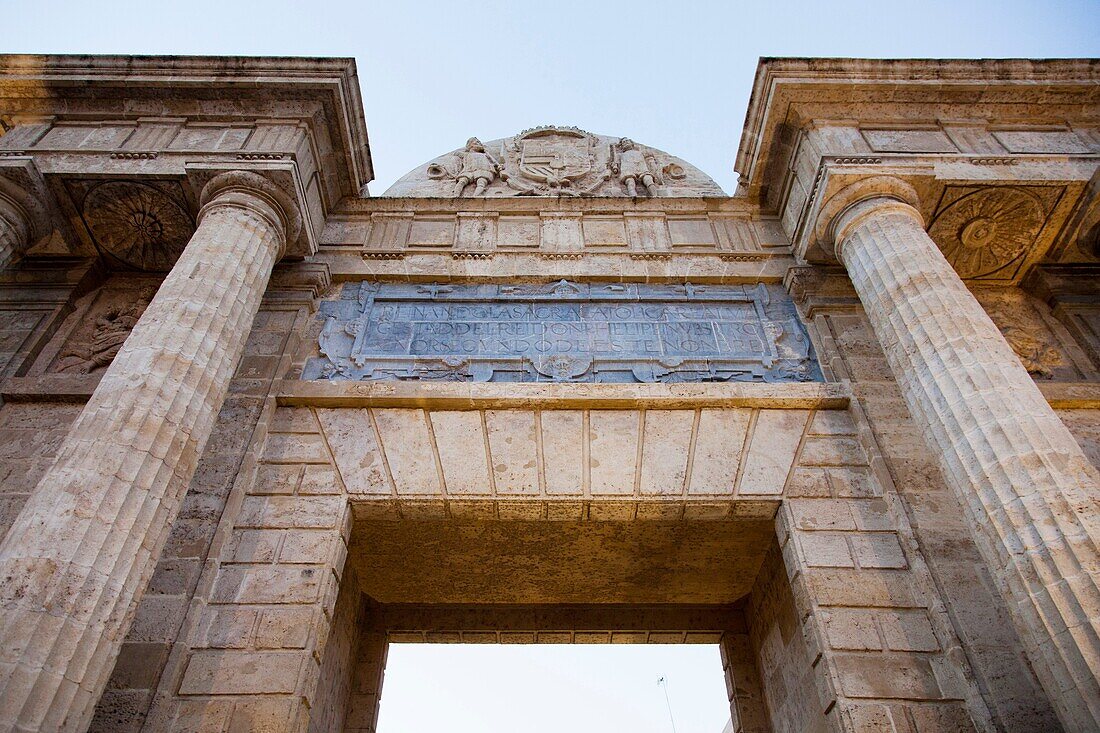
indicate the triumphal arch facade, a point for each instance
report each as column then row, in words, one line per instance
column 256, row 424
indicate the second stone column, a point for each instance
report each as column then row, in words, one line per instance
column 1030, row 492
column 80, row 554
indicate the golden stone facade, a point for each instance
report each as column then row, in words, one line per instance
column 256, row 423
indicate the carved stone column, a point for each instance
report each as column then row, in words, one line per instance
column 14, row 232
column 81, row 552
column 1029, row 491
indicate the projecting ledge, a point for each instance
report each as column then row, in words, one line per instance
column 482, row 395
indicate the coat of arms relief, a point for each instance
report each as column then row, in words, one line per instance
column 556, row 161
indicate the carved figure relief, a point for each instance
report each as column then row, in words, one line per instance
column 138, row 224
column 989, row 229
column 556, row 161
column 96, row 348
column 472, row 165
column 1031, row 331
column 1036, row 353
column 632, row 166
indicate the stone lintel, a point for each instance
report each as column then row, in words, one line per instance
column 506, row 621
column 468, row 395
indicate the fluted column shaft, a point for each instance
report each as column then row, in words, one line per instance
column 13, row 233
column 80, row 554
column 1029, row 491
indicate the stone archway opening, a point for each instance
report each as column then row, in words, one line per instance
column 547, row 688
column 493, row 581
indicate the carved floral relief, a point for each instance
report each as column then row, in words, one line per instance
column 138, row 224
column 985, row 231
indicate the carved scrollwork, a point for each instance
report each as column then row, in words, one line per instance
column 137, row 224
column 986, row 230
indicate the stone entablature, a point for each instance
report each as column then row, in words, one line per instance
column 999, row 153
column 132, row 124
column 557, row 229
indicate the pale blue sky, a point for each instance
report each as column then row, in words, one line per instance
column 673, row 75
column 551, row 688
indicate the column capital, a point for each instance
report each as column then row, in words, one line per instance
column 25, row 200
column 247, row 190
column 15, row 217
column 853, row 203
column 270, row 189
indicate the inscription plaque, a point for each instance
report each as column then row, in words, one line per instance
column 562, row 331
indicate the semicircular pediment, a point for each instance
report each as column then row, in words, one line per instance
column 555, row 161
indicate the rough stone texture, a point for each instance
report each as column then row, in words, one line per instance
column 253, row 658
column 979, row 614
column 230, row 451
column 1028, row 489
column 844, row 605
column 30, row 435
column 338, row 667
column 120, row 475
column 13, row 233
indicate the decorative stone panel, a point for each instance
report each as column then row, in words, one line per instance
column 562, row 332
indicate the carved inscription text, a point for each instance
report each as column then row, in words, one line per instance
column 562, row 332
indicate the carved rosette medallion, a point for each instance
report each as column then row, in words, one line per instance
column 137, row 224
column 983, row 232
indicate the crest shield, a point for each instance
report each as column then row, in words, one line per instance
column 555, row 155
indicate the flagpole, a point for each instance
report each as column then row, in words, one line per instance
column 662, row 682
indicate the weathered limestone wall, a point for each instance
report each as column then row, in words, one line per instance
column 31, row 305
column 748, row 710
column 977, row 611
column 846, row 621
column 30, row 434
column 229, row 454
column 1085, row 426
column 784, row 658
column 367, row 676
column 253, row 649
column 337, row 680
